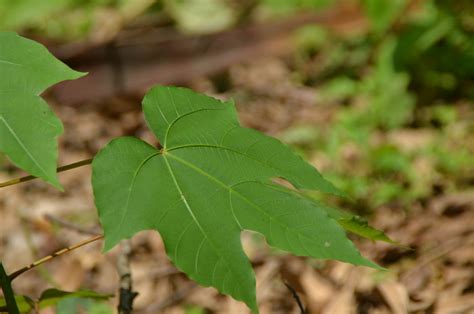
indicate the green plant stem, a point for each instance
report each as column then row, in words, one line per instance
column 6, row 284
column 20, row 271
column 60, row 169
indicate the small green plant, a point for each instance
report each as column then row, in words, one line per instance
column 209, row 180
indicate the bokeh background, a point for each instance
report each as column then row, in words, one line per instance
column 378, row 95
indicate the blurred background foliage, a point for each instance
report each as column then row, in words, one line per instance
column 402, row 134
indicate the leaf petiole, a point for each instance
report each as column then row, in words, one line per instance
column 60, row 169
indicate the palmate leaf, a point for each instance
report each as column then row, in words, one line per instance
column 210, row 181
column 28, row 127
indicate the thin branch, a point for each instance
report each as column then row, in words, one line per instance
column 296, row 297
column 60, row 169
column 127, row 295
column 69, row 225
column 55, row 254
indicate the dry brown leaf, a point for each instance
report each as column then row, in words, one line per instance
column 396, row 296
column 69, row 273
column 462, row 304
column 264, row 276
column 409, row 140
column 318, row 290
column 206, row 297
column 342, row 302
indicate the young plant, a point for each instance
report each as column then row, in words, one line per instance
column 208, row 181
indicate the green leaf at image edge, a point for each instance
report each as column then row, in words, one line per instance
column 25, row 304
column 211, row 180
column 51, row 297
column 28, row 127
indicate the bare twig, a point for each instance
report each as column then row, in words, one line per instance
column 296, row 297
column 68, row 225
column 60, row 169
column 127, row 295
column 55, row 254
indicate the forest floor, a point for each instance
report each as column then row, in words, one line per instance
column 432, row 272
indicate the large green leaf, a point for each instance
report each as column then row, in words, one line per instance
column 28, row 127
column 210, row 181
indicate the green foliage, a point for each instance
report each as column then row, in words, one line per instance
column 28, row 127
column 382, row 14
column 80, row 305
column 194, row 310
column 389, row 102
column 437, row 49
column 54, row 18
column 66, row 301
column 24, row 304
column 210, row 181
column 27, row 13
column 383, row 97
column 52, row 297
column 379, row 166
column 201, row 16
column 407, row 78
column 285, row 6
column 387, row 159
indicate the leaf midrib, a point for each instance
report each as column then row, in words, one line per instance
column 22, row 145
column 188, row 207
column 11, row 63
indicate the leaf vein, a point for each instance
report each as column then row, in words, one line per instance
column 22, row 145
